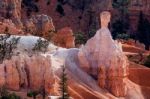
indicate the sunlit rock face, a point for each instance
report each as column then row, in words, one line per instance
column 103, row 57
column 27, row 72
column 64, row 38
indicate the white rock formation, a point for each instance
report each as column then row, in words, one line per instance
column 103, row 57
column 27, row 43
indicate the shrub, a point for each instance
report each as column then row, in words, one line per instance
column 4, row 94
column 80, row 38
column 13, row 96
column 147, row 61
column 41, row 45
column 7, row 45
column 32, row 94
column 60, row 9
column 123, row 36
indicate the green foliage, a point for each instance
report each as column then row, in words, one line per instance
column 41, row 45
column 80, row 38
column 64, row 85
column 91, row 33
column 119, row 27
column 32, row 94
column 123, row 36
column 121, row 5
column 60, row 9
column 7, row 45
column 4, row 94
column 144, row 31
column 120, row 23
column 13, row 96
column 147, row 61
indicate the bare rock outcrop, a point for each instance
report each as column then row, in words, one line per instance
column 11, row 9
column 105, row 59
column 8, row 26
column 64, row 38
column 27, row 72
column 39, row 25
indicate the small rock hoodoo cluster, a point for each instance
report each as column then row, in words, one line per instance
column 105, row 59
column 26, row 72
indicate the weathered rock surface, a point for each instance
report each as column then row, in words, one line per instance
column 39, row 25
column 105, row 59
column 27, row 72
column 82, row 14
column 8, row 26
column 64, row 38
column 11, row 9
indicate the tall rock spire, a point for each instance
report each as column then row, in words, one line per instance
column 103, row 57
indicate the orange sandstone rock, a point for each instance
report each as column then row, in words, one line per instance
column 64, row 38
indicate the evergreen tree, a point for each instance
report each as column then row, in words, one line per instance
column 41, row 45
column 121, row 24
column 80, row 38
column 33, row 94
column 63, row 85
column 60, row 9
column 7, row 46
column 5, row 94
column 144, row 31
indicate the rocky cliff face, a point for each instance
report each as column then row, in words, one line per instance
column 27, row 72
column 39, row 25
column 83, row 15
column 11, row 9
column 134, row 10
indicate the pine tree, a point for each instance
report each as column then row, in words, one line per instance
column 121, row 24
column 7, row 46
column 33, row 94
column 60, row 9
column 63, row 85
column 41, row 45
column 143, row 31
